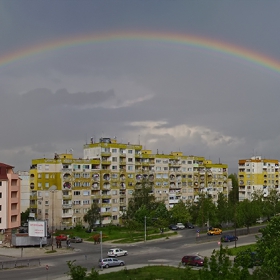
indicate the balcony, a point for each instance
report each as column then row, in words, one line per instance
column 66, row 206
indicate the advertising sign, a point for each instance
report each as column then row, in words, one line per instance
column 37, row 228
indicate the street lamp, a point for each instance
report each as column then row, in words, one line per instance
column 52, row 190
column 145, row 228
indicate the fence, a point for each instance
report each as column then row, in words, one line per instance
column 19, row 263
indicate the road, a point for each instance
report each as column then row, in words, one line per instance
column 164, row 251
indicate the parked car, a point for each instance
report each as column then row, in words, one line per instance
column 108, row 262
column 180, row 226
column 193, row 260
column 116, row 252
column 76, row 239
column 189, row 225
column 229, row 238
column 214, row 231
column 173, row 227
column 248, row 259
column 61, row 237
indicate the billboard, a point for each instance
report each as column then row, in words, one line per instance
column 37, row 228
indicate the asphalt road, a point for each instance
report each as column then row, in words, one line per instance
column 164, row 251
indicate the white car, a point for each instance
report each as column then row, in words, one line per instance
column 180, row 226
column 116, row 252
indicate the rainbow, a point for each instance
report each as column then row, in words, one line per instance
column 171, row 38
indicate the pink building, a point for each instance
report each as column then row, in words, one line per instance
column 9, row 201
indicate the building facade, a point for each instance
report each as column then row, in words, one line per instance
column 257, row 175
column 63, row 188
column 24, row 190
column 9, row 201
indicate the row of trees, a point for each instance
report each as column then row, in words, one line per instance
column 143, row 205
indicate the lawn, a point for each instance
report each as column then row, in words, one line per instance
column 235, row 251
column 118, row 234
column 151, row 273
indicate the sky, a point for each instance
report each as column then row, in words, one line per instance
column 200, row 77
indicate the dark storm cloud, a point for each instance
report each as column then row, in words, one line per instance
column 170, row 96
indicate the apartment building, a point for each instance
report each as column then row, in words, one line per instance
column 24, row 190
column 9, row 201
column 257, row 175
column 63, row 188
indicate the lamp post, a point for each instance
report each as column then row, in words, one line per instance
column 52, row 190
column 101, row 253
column 145, row 229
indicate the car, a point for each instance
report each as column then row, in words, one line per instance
column 229, row 238
column 189, row 225
column 173, row 227
column 116, row 252
column 248, row 259
column 214, row 231
column 61, row 237
column 180, row 226
column 109, row 262
column 193, row 260
column 76, row 239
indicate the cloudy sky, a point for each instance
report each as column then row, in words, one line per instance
column 175, row 75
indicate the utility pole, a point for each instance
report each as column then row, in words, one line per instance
column 145, row 229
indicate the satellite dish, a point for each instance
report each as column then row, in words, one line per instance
column 53, row 188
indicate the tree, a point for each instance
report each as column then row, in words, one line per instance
column 268, row 248
column 220, row 267
column 142, row 196
column 77, row 272
column 247, row 212
column 207, row 210
column 179, row 213
column 271, row 204
column 223, row 214
column 92, row 215
column 233, row 196
column 25, row 215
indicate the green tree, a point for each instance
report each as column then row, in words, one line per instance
column 77, row 272
column 233, row 196
column 142, row 196
column 220, row 267
column 268, row 248
column 24, row 215
column 271, row 204
column 179, row 213
column 247, row 212
column 223, row 214
column 92, row 215
column 207, row 211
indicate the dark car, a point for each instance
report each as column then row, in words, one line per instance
column 248, row 259
column 189, row 225
column 229, row 238
column 173, row 227
column 193, row 260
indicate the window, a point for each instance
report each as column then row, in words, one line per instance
column 189, row 162
column 39, row 175
column 114, row 167
column 0, row 207
column 0, row 195
column 77, row 193
column 77, row 184
column 130, row 151
column 114, row 151
column 46, row 202
column 130, row 167
column 114, row 159
column 77, row 202
column 86, row 193
column 86, row 202
column 130, row 159
column 46, row 185
column 47, row 175
column 114, row 176
column 158, row 160
column 131, row 176
column 158, row 168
